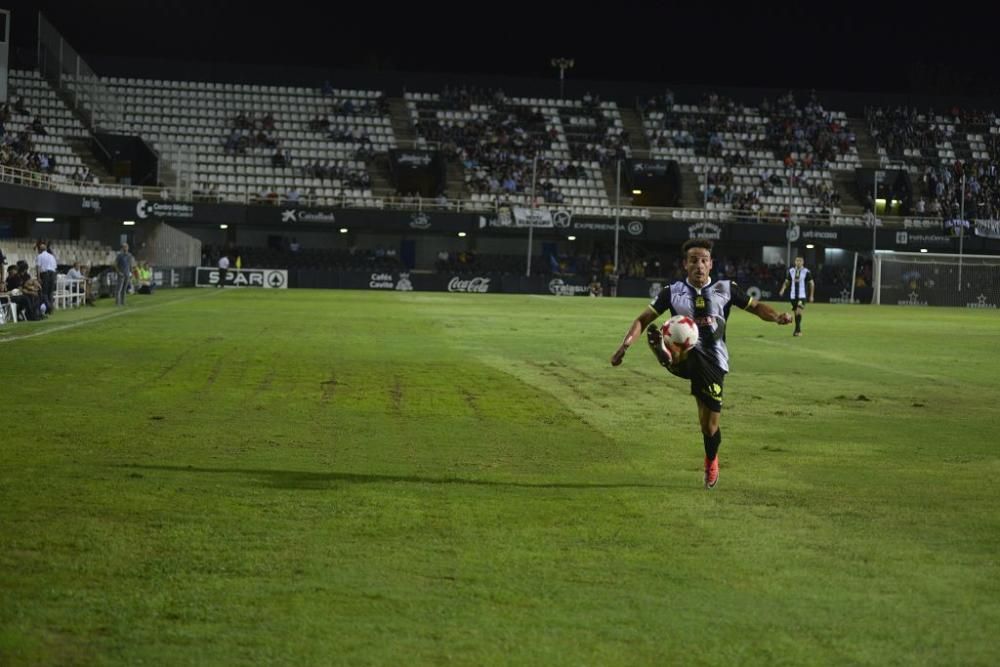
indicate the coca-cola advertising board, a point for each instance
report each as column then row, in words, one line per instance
column 478, row 284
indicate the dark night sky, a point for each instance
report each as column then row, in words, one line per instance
column 765, row 44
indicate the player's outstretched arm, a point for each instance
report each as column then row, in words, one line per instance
column 768, row 314
column 638, row 326
column 784, row 286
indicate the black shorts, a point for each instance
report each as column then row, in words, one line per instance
column 705, row 376
column 798, row 303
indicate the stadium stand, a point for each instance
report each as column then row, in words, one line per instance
column 937, row 149
column 235, row 132
column 496, row 138
column 36, row 127
column 775, row 159
column 283, row 144
column 86, row 252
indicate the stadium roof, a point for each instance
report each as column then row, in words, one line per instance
column 766, row 44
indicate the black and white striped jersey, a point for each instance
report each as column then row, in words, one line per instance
column 709, row 307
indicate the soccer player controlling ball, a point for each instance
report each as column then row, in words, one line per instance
column 707, row 363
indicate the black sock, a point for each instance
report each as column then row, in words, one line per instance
column 798, row 323
column 712, row 443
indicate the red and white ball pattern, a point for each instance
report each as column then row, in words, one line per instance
column 681, row 330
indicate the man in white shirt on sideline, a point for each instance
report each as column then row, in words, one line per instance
column 46, row 263
column 223, row 271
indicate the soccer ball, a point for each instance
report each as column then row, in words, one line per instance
column 681, row 331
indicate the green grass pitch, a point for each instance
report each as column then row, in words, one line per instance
column 323, row 477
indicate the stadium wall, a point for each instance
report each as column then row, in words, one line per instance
column 417, row 224
column 494, row 283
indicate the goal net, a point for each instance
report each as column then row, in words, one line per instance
column 929, row 279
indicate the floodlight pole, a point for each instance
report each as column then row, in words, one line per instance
column 618, row 207
column 788, row 243
column 562, row 64
column 875, row 212
column 961, row 233
column 704, row 192
column 531, row 212
column 854, row 276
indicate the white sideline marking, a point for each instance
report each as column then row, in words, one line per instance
column 100, row 318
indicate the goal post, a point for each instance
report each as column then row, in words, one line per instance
column 934, row 279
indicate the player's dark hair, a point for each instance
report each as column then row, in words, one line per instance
column 697, row 243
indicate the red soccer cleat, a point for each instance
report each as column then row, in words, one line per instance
column 711, row 472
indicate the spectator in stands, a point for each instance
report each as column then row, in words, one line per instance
column 294, row 245
column 262, row 139
column 293, row 195
column 19, row 105
column 232, row 142
column 267, row 122
column 326, row 88
column 83, row 175
column 37, row 127
column 24, row 143
column 124, row 262
column 315, row 170
column 278, row 159
column 244, row 120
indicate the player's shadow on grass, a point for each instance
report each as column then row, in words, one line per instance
column 290, row 479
